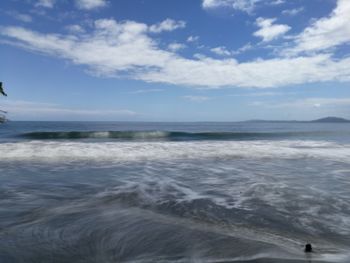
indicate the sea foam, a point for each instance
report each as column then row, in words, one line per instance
column 139, row 151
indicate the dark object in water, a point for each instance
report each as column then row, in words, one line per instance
column 308, row 248
column 2, row 90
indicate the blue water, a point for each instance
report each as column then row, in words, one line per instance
column 278, row 130
column 174, row 192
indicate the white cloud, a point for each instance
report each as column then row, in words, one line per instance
column 176, row 46
column 221, row 51
column 167, row 25
column 327, row 32
column 90, row 4
column 293, row 12
column 269, row 31
column 46, row 3
column 196, row 98
column 242, row 5
column 259, row 73
column 192, row 38
column 104, row 51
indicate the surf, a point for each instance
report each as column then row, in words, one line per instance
column 162, row 135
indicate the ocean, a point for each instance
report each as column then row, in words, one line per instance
column 108, row 192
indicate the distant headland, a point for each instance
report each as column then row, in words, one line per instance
column 321, row 120
column 331, row 119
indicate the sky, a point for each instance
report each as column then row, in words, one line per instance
column 175, row 60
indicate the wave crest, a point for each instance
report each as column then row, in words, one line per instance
column 164, row 135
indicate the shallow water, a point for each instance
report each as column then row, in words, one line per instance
column 156, row 198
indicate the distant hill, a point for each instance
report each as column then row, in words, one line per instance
column 331, row 119
column 322, row 120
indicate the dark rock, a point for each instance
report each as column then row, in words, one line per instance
column 308, row 248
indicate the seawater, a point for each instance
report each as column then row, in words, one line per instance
column 174, row 192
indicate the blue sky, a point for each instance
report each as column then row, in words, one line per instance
column 175, row 60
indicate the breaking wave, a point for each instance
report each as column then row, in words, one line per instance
column 165, row 135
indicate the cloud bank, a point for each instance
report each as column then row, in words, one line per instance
column 103, row 48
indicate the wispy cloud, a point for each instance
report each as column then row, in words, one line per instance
column 142, row 91
column 325, row 33
column 39, row 110
column 221, row 51
column 247, row 6
column 243, row 49
column 263, row 94
column 91, row 4
column 293, row 12
column 75, row 29
column 45, row 3
column 21, row 17
column 277, row 2
column 176, row 46
column 306, row 103
column 192, row 38
column 167, row 25
column 196, row 98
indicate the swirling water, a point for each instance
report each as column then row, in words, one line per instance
column 174, row 192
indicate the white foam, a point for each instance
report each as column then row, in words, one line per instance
column 275, row 189
column 138, row 151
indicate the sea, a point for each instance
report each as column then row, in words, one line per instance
column 103, row 192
